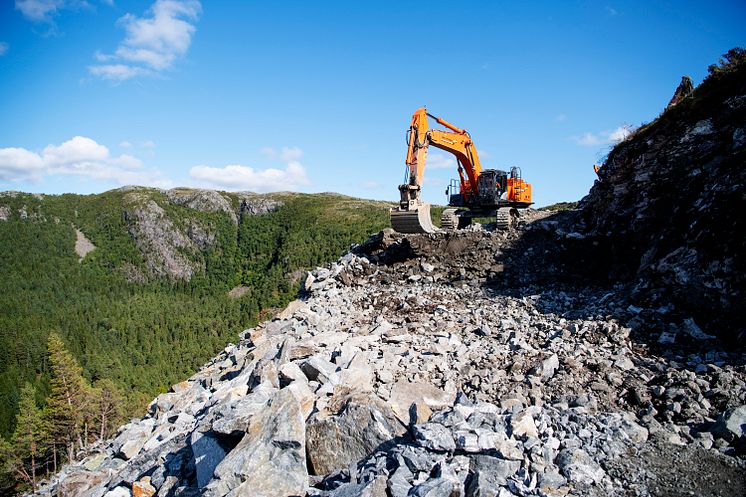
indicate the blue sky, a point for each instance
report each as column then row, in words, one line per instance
column 317, row 96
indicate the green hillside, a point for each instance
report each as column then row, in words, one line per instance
column 151, row 303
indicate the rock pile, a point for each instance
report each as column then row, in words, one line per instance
column 404, row 371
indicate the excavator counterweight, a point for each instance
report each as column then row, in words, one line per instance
column 477, row 193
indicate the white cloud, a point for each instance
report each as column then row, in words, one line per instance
column 589, row 139
column 285, row 154
column 237, row 177
column 80, row 156
column 18, row 164
column 125, row 144
column 3, row 48
column 611, row 10
column 46, row 10
column 152, row 43
column 117, row 72
column 39, row 10
column 76, row 150
column 440, row 161
column 149, row 144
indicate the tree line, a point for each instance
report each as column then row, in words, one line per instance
column 74, row 415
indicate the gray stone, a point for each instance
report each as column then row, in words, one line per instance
column 522, row 425
column 400, row 481
column 546, row 368
column 434, row 436
column 405, row 393
column 271, row 458
column 731, row 423
column 130, row 441
column 434, row 487
column 578, row 467
column 318, row 369
column 364, row 424
column 234, row 418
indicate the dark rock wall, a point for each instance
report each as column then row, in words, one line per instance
column 668, row 209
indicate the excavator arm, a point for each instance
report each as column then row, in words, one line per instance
column 456, row 141
column 413, row 216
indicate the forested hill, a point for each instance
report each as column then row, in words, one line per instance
column 144, row 285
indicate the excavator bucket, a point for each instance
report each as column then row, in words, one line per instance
column 416, row 220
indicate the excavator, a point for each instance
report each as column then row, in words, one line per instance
column 477, row 193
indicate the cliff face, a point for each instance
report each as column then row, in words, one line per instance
column 667, row 211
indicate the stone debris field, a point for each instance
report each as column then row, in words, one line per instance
column 407, row 369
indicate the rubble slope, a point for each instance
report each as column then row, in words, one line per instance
column 402, row 373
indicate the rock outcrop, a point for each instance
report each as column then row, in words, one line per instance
column 667, row 211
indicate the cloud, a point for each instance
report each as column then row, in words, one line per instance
column 589, row 139
column 39, row 10
column 80, row 156
column 237, row 177
column 117, row 72
column 125, row 144
column 440, row 161
column 560, row 118
column 152, row 43
column 46, row 10
column 149, row 144
column 611, row 11
column 285, row 154
column 3, row 48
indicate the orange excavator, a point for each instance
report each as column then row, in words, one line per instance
column 477, row 193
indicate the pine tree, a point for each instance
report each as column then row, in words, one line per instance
column 66, row 399
column 29, row 437
column 108, row 406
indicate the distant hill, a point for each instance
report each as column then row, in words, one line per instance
column 145, row 285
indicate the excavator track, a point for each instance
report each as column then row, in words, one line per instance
column 449, row 220
column 412, row 221
column 504, row 218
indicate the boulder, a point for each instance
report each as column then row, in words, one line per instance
column 578, row 467
column 271, row 458
column 523, row 425
column 234, row 418
column 83, row 482
column 731, row 424
column 364, row 424
column 405, row 394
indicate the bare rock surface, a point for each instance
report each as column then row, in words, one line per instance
column 83, row 245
